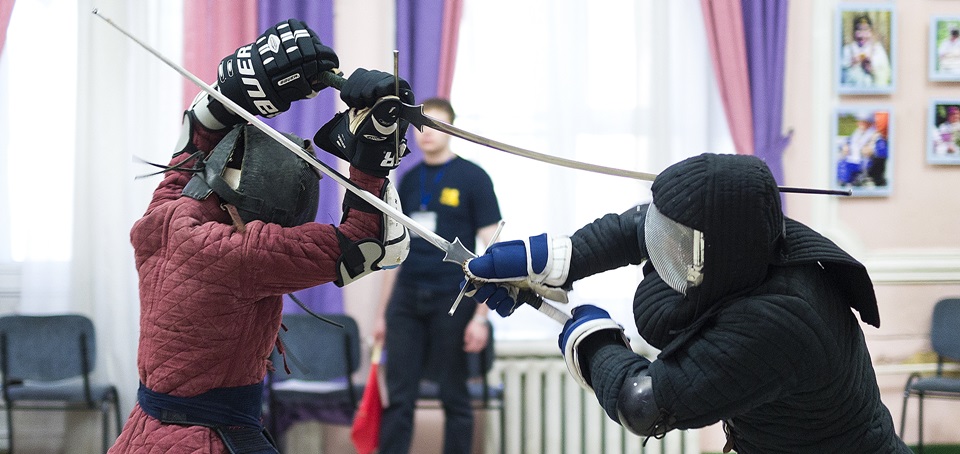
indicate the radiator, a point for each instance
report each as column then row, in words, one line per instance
column 545, row 411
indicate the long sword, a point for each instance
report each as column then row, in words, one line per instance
column 454, row 252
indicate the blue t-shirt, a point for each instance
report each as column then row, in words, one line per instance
column 462, row 196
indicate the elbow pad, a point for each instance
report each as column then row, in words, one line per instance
column 362, row 257
column 637, row 409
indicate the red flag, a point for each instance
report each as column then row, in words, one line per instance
column 365, row 432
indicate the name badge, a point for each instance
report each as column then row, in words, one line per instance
column 428, row 219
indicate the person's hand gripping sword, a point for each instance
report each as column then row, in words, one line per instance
column 511, row 273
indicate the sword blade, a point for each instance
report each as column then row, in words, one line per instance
column 416, row 117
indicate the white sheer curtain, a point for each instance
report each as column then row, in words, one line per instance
column 621, row 83
column 38, row 157
column 129, row 105
column 81, row 101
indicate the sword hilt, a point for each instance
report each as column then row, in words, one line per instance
column 531, row 298
column 332, row 79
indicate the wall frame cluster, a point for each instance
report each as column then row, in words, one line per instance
column 861, row 148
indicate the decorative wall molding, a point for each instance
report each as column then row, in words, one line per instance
column 914, row 267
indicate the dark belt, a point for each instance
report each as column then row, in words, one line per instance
column 233, row 413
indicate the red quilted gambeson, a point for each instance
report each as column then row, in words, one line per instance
column 210, row 297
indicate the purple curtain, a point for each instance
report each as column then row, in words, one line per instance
column 303, row 119
column 421, row 29
column 765, row 30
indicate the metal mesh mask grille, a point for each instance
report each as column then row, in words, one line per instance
column 676, row 250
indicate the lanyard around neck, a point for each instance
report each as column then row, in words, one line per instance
column 426, row 193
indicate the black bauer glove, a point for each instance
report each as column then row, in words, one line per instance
column 282, row 66
column 366, row 134
column 364, row 88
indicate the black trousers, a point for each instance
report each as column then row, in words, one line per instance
column 423, row 341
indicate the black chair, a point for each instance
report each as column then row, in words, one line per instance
column 46, row 363
column 485, row 396
column 322, row 359
column 945, row 338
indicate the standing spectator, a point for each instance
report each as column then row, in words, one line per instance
column 454, row 198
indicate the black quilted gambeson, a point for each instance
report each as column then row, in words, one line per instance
column 769, row 345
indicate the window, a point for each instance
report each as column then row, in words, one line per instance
column 38, row 73
column 613, row 82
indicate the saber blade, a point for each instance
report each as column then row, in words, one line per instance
column 416, row 117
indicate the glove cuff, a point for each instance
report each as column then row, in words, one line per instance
column 576, row 364
column 553, row 269
column 212, row 114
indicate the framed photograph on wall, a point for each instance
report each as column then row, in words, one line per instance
column 861, row 156
column 866, row 39
column 943, row 145
column 945, row 48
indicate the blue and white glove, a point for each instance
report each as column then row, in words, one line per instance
column 584, row 321
column 541, row 263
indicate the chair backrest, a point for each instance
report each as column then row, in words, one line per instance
column 945, row 328
column 46, row 347
column 316, row 350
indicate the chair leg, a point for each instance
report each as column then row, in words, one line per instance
column 117, row 417
column 105, row 420
column 503, row 429
column 920, row 437
column 10, row 428
column 903, row 413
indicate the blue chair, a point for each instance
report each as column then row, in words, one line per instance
column 322, row 359
column 46, row 363
column 945, row 338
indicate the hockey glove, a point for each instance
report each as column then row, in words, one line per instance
column 365, row 87
column 501, row 298
column 541, row 263
column 366, row 134
column 585, row 321
column 282, row 66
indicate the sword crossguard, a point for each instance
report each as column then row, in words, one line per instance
column 457, row 253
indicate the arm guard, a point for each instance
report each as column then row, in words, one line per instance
column 362, row 257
